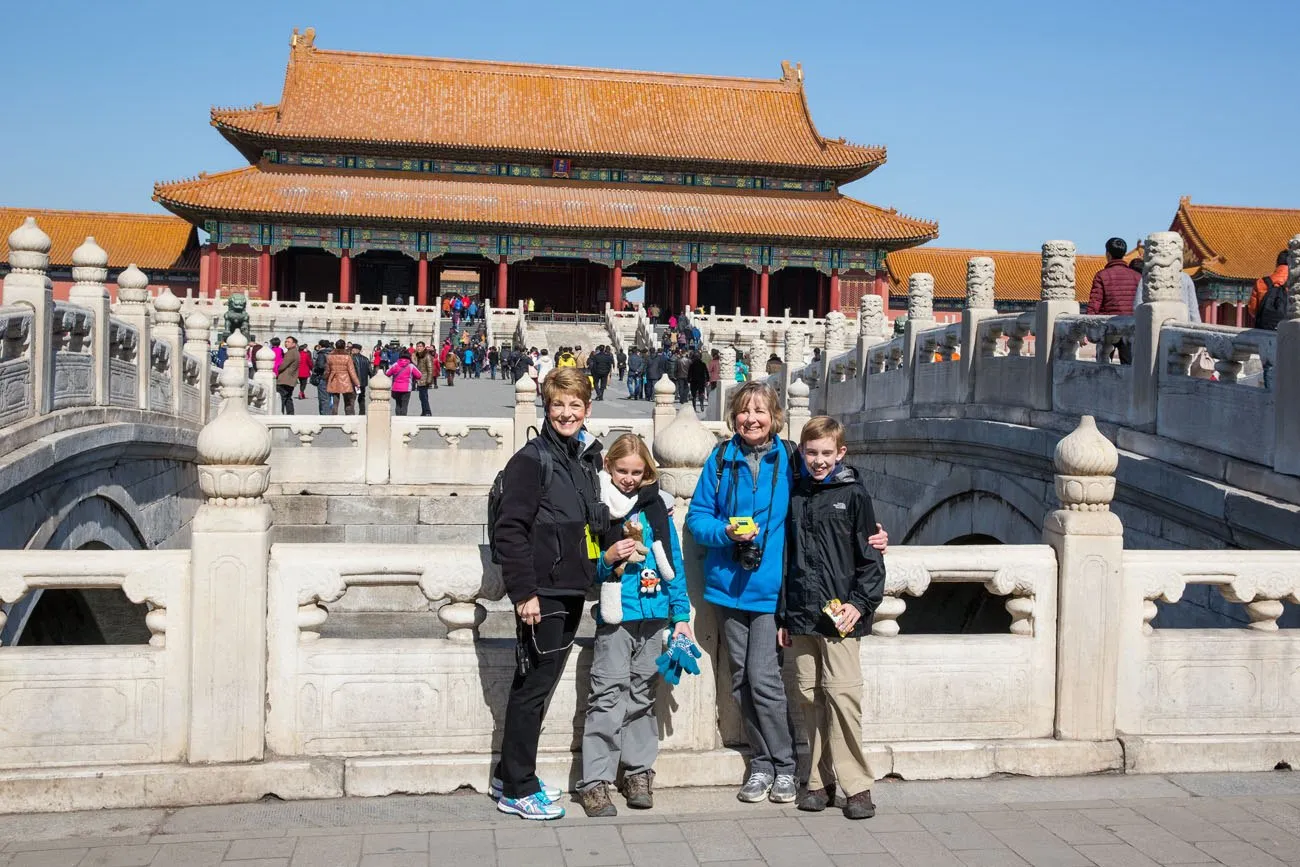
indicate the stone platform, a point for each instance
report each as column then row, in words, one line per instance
column 1232, row 819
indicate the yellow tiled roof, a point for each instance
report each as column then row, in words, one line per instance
column 158, row 242
column 1234, row 242
column 545, row 205
column 1017, row 275
column 552, row 111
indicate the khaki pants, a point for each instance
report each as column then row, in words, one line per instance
column 829, row 675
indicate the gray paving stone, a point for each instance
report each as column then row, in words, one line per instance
column 864, row 860
column 890, row 822
column 718, row 841
column 190, row 854
column 1156, row 842
column 917, row 849
column 46, row 858
column 1184, row 824
column 373, row 844
column 526, row 834
column 396, row 859
column 592, row 846
column 836, row 835
column 1116, row 855
column 261, row 862
column 1272, row 810
column 1238, row 853
column 957, row 831
column 772, row 827
column 265, row 847
column 661, row 854
column 991, row 858
column 657, row 833
column 464, row 847
column 800, row 851
column 1073, row 827
column 1003, row 819
column 1268, row 837
column 1225, row 785
column 1109, row 816
column 334, row 851
column 119, row 856
column 1220, row 810
column 1041, row 848
column 531, row 856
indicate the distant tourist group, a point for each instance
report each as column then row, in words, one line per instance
column 793, row 564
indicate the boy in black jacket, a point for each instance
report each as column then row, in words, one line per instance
column 834, row 581
column 548, row 533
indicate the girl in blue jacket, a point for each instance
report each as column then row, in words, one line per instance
column 643, row 590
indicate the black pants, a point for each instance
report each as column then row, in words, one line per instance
column 286, row 398
column 401, row 398
column 546, row 647
column 601, row 380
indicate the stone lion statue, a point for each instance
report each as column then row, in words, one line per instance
column 236, row 316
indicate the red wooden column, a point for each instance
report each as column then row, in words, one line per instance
column 693, row 287
column 503, row 276
column 762, row 289
column 345, row 277
column 616, row 286
column 422, row 280
column 264, row 273
column 834, row 301
column 210, row 274
column 753, row 294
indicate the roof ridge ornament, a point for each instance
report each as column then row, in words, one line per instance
column 305, row 40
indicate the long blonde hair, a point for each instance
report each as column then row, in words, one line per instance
column 630, row 444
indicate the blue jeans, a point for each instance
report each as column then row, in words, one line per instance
column 323, row 399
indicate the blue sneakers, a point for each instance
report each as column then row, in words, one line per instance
column 552, row 793
column 537, row 807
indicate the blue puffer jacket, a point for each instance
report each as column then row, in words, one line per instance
column 738, row 495
column 671, row 603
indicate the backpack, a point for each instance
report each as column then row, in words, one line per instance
column 1272, row 307
column 498, row 493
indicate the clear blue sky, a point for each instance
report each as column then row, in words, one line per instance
column 1009, row 123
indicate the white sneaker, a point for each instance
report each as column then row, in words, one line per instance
column 756, row 788
column 551, row 793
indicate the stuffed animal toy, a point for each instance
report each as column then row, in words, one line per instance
column 634, row 530
column 622, row 506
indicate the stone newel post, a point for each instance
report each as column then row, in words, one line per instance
column 1089, row 542
column 197, row 346
column 525, row 409
column 90, row 270
column 133, row 308
column 264, row 375
column 230, row 554
column 979, row 306
column 1057, row 298
column 665, row 395
column 1286, row 373
column 27, row 283
column 167, row 327
column 1161, row 280
column 797, row 412
column 758, row 352
column 379, row 426
column 681, row 450
column 920, row 316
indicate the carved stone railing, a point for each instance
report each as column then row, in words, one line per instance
column 739, row 330
column 311, row 320
column 1100, row 385
column 70, row 336
column 16, row 399
column 98, row 705
column 124, row 369
column 1004, row 359
column 938, row 375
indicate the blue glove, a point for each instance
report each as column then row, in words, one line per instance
column 667, row 670
column 682, row 652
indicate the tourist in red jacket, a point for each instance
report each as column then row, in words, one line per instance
column 1113, row 290
column 304, row 371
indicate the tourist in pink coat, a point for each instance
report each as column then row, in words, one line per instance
column 403, row 373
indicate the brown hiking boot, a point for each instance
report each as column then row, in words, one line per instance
column 637, row 790
column 596, row 803
column 816, row 800
column 859, row 806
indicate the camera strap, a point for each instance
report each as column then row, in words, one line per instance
column 779, row 445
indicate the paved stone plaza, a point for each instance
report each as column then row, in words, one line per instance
column 1244, row 820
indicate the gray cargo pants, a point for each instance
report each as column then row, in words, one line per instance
column 759, row 690
column 621, row 722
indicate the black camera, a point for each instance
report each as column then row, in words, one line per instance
column 748, row 554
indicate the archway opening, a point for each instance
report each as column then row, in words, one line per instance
column 310, row 272
column 84, row 616
column 384, row 274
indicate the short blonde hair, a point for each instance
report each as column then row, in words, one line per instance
column 565, row 382
column 822, row 427
column 631, row 444
column 741, row 398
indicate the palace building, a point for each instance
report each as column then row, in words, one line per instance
column 376, row 174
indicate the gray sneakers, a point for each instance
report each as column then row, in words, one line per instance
column 784, row 790
column 755, row 788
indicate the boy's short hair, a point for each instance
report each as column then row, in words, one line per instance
column 822, row 427
column 741, row 397
column 564, row 381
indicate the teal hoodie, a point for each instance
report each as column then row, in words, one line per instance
column 671, row 602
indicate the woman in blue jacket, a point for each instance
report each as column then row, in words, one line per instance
column 749, row 477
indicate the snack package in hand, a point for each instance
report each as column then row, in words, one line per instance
column 832, row 610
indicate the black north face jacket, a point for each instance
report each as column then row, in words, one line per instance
column 827, row 555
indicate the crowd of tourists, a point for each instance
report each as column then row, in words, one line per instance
column 793, row 564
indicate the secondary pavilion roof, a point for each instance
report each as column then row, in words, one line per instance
column 1232, row 242
column 1017, row 275
column 315, row 195
column 390, row 101
column 154, row 242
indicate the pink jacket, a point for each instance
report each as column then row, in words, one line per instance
column 402, row 372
